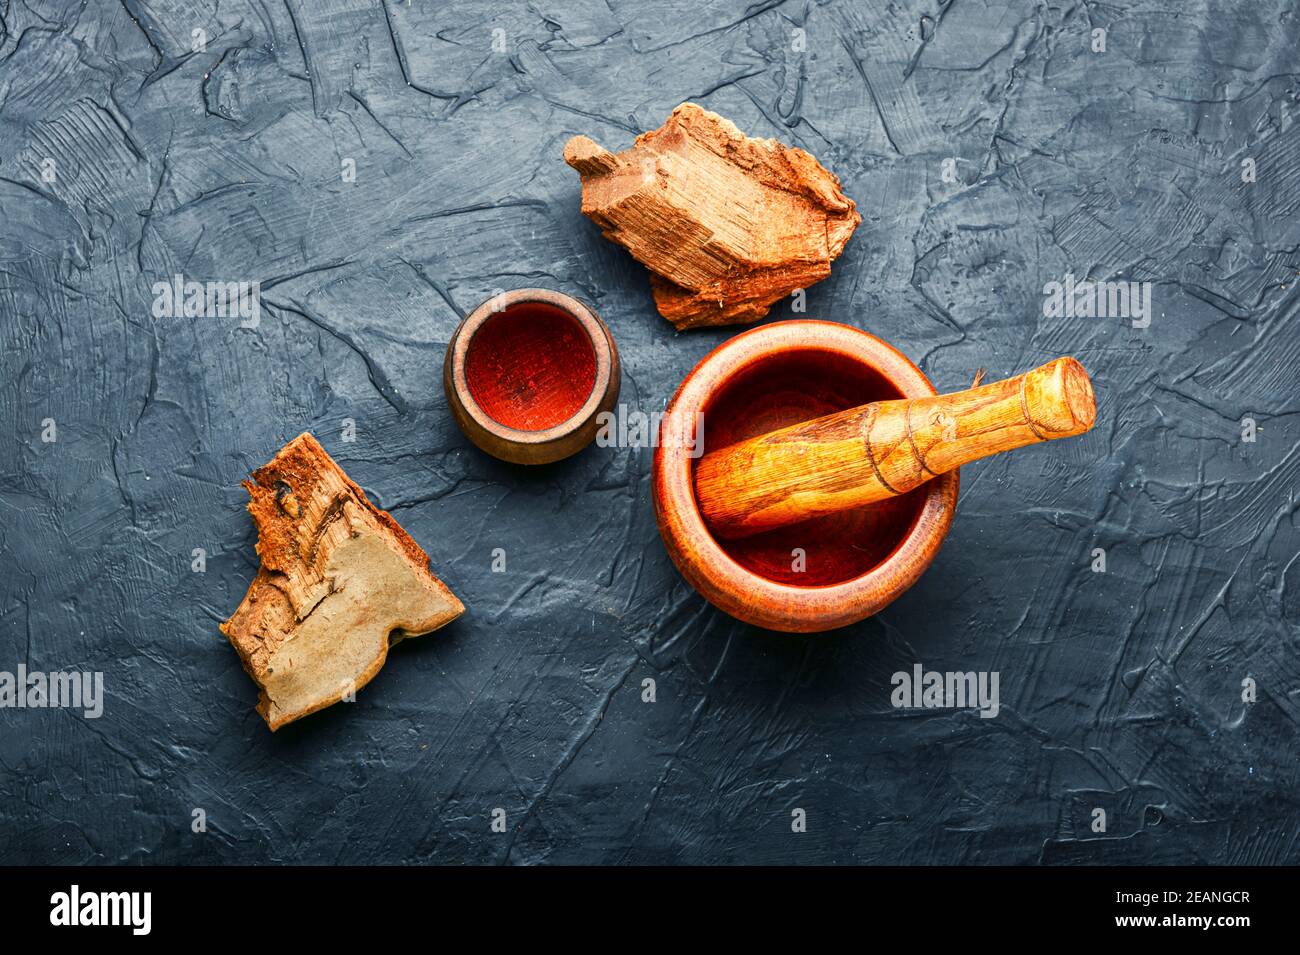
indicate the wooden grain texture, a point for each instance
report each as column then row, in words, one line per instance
column 862, row 455
column 726, row 224
column 339, row 583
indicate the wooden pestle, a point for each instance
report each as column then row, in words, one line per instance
column 883, row 449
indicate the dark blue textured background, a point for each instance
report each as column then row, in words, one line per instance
column 1119, row 690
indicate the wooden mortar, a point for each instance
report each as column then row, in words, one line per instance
column 881, row 508
column 827, row 572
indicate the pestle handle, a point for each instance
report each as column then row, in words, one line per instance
column 883, row 449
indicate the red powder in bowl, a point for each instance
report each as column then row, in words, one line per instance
column 530, row 366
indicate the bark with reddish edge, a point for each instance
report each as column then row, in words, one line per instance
column 340, row 582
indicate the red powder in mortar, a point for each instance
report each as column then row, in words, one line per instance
column 783, row 390
column 531, row 366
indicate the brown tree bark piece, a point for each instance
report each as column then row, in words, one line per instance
column 340, row 583
column 726, row 224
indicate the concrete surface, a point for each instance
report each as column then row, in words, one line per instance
column 127, row 157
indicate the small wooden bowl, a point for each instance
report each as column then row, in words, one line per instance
column 528, row 372
column 819, row 574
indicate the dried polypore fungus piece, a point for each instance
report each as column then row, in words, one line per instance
column 726, row 224
column 340, row 583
